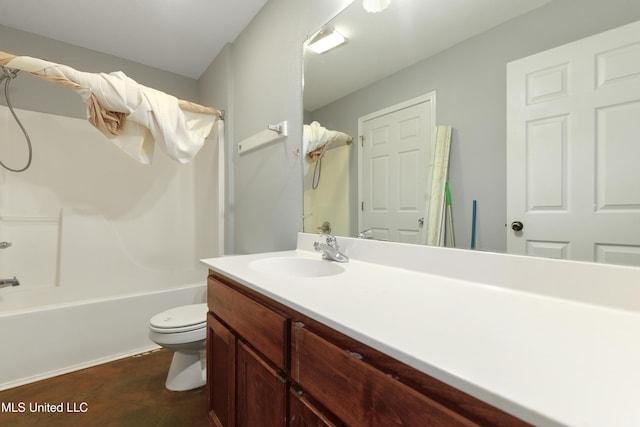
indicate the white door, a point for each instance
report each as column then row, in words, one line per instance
column 573, row 150
column 394, row 169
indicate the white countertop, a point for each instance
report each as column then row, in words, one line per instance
column 535, row 353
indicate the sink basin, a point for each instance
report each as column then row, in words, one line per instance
column 296, row 267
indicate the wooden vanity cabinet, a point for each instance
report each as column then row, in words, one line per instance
column 269, row 365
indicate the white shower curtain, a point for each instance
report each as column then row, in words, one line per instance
column 134, row 117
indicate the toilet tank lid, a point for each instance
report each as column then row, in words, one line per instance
column 177, row 317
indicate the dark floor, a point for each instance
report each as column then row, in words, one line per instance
column 127, row 392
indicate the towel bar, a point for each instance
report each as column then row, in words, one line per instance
column 271, row 134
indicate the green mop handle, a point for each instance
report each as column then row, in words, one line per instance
column 449, row 213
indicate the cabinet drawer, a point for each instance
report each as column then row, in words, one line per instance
column 265, row 329
column 358, row 393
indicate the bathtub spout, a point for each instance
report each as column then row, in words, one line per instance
column 9, row 282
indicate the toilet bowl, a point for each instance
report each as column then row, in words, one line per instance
column 183, row 330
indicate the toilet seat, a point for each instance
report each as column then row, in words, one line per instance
column 180, row 319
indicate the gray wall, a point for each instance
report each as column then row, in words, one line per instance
column 214, row 90
column 470, row 84
column 32, row 93
column 265, row 76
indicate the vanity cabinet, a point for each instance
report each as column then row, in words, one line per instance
column 269, row 365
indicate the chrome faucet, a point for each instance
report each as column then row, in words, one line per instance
column 366, row 234
column 330, row 249
column 9, row 282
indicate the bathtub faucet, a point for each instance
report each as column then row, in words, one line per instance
column 9, row 282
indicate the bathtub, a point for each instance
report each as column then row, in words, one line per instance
column 50, row 340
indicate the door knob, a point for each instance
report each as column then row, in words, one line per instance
column 517, row 226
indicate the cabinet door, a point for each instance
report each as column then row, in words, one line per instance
column 261, row 399
column 221, row 367
column 303, row 413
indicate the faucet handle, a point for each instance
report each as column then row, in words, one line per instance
column 331, row 239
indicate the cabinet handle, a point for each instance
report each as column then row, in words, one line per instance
column 354, row 354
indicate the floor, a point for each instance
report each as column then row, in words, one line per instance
column 126, row 392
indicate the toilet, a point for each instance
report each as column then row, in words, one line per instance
column 183, row 330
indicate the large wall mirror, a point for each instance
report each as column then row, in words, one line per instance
column 450, row 56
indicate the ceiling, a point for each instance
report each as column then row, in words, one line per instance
column 180, row 36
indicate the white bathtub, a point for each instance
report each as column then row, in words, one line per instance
column 51, row 340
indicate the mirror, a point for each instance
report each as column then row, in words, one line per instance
column 457, row 51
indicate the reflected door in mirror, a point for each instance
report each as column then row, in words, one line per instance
column 395, row 170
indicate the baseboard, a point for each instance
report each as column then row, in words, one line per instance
column 77, row 367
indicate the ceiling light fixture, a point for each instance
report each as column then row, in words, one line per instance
column 375, row 6
column 325, row 40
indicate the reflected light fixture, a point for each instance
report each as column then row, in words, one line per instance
column 375, row 6
column 326, row 39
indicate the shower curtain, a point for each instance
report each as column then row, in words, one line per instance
column 134, row 117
